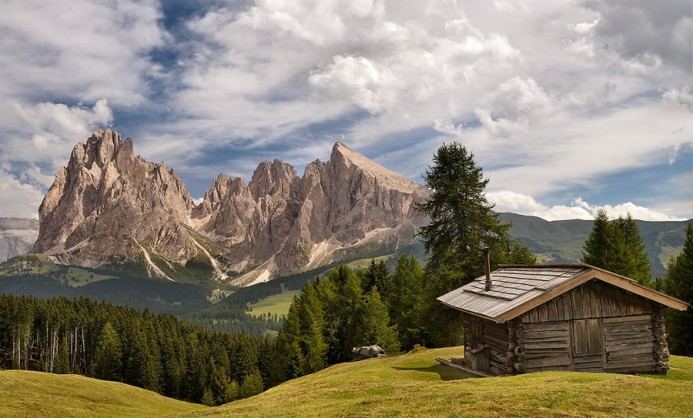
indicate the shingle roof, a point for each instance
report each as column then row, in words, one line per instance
column 517, row 289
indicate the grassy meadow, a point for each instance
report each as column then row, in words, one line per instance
column 414, row 384
column 35, row 394
column 275, row 304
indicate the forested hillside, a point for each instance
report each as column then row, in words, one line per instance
column 157, row 352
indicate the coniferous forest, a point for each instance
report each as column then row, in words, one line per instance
column 157, row 352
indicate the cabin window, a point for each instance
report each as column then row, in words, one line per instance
column 587, row 336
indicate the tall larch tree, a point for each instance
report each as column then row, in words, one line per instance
column 462, row 221
column 679, row 283
column 461, row 224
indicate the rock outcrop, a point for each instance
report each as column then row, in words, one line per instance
column 110, row 206
column 17, row 236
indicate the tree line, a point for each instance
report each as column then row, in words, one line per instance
column 153, row 351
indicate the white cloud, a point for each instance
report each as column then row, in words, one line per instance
column 46, row 132
column 18, row 199
column 508, row 201
column 683, row 96
column 85, row 50
column 37, row 139
column 548, row 95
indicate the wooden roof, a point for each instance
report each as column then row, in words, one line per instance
column 518, row 289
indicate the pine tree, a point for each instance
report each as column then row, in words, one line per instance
column 376, row 275
column 462, row 222
column 340, row 295
column 107, row 358
column 406, row 302
column 619, row 247
column 311, row 322
column 233, row 392
column 679, row 283
column 636, row 263
column 252, row 385
column 599, row 249
column 370, row 325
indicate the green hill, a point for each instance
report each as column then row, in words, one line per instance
column 412, row 384
column 35, row 394
column 415, row 384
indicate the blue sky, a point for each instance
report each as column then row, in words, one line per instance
column 568, row 106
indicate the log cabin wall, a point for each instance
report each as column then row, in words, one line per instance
column 486, row 345
column 594, row 327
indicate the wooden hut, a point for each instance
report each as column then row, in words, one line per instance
column 562, row 317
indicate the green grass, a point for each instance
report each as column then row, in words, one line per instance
column 274, row 304
column 35, row 394
column 364, row 262
column 412, row 384
column 279, row 303
column 415, row 384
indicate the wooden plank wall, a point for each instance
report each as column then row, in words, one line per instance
column 594, row 327
column 629, row 343
column 496, row 339
column 594, row 299
column 546, row 346
column 491, row 335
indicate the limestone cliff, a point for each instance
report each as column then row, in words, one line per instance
column 109, row 206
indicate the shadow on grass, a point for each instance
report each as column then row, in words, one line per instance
column 445, row 372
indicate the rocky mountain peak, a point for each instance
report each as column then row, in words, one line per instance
column 272, row 178
column 107, row 200
column 109, row 204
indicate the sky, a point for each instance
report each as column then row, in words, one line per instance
column 569, row 106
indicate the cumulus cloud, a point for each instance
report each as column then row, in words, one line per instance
column 46, row 132
column 19, row 199
column 644, row 31
column 87, row 51
column 508, row 201
column 37, row 139
column 550, row 97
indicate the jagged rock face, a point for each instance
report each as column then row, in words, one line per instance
column 108, row 204
column 17, row 236
column 279, row 223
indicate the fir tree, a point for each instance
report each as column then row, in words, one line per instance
column 107, row 358
column 406, row 302
column 619, row 247
column 462, row 222
column 371, row 324
column 679, row 283
column 599, row 249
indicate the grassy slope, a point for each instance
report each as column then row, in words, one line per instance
column 415, row 385
column 275, row 304
column 34, row 394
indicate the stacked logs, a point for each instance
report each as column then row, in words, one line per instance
column 661, row 348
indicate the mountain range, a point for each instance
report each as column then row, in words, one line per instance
column 109, row 208
column 114, row 214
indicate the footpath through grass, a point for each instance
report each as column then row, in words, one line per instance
column 35, row 394
column 415, row 384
